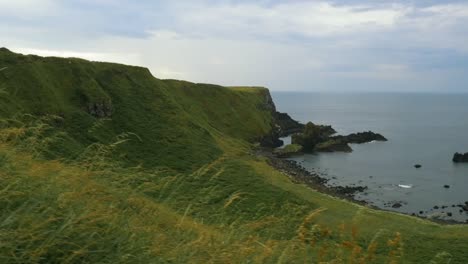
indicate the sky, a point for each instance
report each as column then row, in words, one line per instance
column 296, row 45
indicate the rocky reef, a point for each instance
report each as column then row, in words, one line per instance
column 333, row 145
column 363, row 137
column 320, row 138
column 310, row 137
column 459, row 158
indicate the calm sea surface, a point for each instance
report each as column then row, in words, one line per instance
column 424, row 129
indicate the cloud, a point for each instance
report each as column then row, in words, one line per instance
column 125, row 58
column 27, row 8
column 285, row 45
column 310, row 19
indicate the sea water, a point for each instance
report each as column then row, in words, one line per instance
column 424, row 129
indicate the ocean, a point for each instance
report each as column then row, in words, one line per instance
column 424, row 129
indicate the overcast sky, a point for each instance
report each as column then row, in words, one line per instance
column 342, row 45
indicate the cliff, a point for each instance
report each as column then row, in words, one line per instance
column 104, row 163
column 175, row 123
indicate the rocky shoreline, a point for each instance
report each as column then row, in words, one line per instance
column 299, row 174
column 311, row 138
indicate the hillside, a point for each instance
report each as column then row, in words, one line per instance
column 102, row 162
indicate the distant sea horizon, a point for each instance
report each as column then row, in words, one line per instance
column 370, row 92
column 424, row 128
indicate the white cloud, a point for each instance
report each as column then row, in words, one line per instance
column 303, row 18
column 27, row 8
column 125, row 58
column 295, row 46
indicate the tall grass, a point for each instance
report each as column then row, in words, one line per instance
column 184, row 187
column 95, row 211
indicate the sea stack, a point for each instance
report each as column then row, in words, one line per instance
column 459, row 157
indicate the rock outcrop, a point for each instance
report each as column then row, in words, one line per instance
column 287, row 126
column 333, row 145
column 282, row 124
column 271, row 141
column 101, row 109
column 320, row 138
column 459, row 157
column 288, row 151
column 311, row 136
column 363, row 137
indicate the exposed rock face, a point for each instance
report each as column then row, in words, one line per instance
column 287, row 125
column 319, row 138
column 458, row 157
column 283, row 125
column 271, row 141
column 314, row 135
column 310, row 136
column 268, row 103
column 100, row 109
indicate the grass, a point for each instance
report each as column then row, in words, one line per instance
column 170, row 177
column 290, row 149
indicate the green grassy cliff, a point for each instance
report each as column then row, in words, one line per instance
column 103, row 163
column 176, row 123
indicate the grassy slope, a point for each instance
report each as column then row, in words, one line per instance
column 199, row 194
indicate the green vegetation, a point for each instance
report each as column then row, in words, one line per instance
column 103, row 163
column 310, row 137
column 288, row 150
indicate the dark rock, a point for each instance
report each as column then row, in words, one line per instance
column 288, row 151
column 319, row 138
column 100, row 109
column 421, row 212
column 446, row 186
column 326, row 131
column 362, row 137
column 271, row 141
column 282, row 124
column 286, row 125
column 436, row 207
column 459, row 158
column 333, row 146
column 449, row 214
column 310, row 137
column 465, row 207
column 349, row 190
column 397, row 205
column 418, row 166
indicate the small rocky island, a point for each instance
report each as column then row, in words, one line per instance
column 319, row 138
column 460, row 158
column 309, row 137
